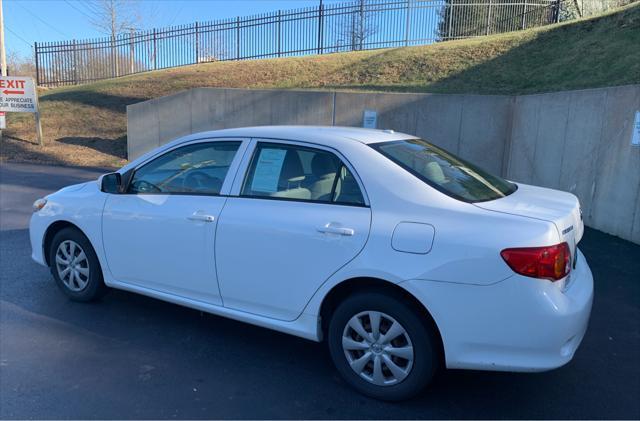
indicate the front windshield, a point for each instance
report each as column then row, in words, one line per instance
column 444, row 171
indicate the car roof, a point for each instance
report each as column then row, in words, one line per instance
column 330, row 136
column 324, row 135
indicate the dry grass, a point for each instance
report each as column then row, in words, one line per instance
column 86, row 125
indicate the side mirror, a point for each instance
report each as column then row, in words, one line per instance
column 111, row 183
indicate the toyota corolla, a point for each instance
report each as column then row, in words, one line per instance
column 401, row 256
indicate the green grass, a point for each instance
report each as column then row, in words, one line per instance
column 589, row 53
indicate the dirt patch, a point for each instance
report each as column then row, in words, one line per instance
column 92, row 152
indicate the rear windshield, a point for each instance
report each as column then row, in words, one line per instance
column 444, row 171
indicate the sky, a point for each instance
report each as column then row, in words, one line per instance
column 29, row 21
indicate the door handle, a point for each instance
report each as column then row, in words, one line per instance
column 197, row 216
column 332, row 229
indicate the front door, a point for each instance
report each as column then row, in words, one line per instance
column 300, row 217
column 160, row 234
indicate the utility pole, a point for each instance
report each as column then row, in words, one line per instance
column 3, row 52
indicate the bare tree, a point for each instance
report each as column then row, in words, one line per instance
column 19, row 65
column 114, row 17
column 212, row 48
column 355, row 28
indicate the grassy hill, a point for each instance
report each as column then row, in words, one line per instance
column 86, row 125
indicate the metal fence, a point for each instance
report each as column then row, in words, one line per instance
column 358, row 25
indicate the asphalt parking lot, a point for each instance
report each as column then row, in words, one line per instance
column 129, row 356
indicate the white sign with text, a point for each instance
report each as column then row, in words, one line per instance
column 370, row 119
column 635, row 134
column 18, row 94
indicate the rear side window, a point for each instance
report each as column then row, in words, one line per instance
column 444, row 171
column 193, row 169
column 299, row 173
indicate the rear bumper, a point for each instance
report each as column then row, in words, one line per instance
column 519, row 324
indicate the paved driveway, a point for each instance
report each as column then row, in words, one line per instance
column 129, row 356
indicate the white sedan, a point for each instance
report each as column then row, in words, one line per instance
column 402, row 256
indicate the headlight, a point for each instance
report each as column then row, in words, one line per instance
column 39, row 204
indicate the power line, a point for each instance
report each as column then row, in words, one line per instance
column 18, row 36
column 92, row 8
column 77, row 9
column 175, row 15
column 95, row 14
column 41, row 20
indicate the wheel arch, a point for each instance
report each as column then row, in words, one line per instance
column 51, row 232
column 351, row 286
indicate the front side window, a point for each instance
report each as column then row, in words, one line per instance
column 193, row 169
column 300, row 173
column 444, row 171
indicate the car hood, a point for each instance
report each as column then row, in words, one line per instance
column 74, row 187
column 561, row 208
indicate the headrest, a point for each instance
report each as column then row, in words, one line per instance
column 323, row 164
column 434, row 173
column 291, row 167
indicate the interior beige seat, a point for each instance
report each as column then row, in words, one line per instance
column 324, row 168
column 434, row 173
column 291, row 178
column 347, row 189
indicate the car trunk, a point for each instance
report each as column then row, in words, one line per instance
column 560, row 208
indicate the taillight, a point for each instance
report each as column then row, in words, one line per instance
column 552, row 262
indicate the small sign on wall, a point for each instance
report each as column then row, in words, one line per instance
column 3, row 121
column 635, row 134
column 370, row 119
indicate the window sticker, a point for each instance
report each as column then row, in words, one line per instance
column 267, row 173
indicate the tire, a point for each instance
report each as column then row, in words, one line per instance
column 417, row 335
column 83, row 280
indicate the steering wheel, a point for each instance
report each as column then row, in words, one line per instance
column 142, row 186
column 201, row 181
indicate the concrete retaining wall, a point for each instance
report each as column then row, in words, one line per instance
column 155, row 122
column 471, row 126
column 578, row 141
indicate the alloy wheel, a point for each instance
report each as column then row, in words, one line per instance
column 72, row 265
column 378, row 348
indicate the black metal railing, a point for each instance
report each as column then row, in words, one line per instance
column 357, row 25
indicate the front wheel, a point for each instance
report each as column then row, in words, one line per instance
column 75, row 266
column 382, row 346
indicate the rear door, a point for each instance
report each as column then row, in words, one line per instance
column 300, row 215
column 160, row 234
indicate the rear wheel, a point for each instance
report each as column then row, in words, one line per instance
column 75, row 266
column 382, row 346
